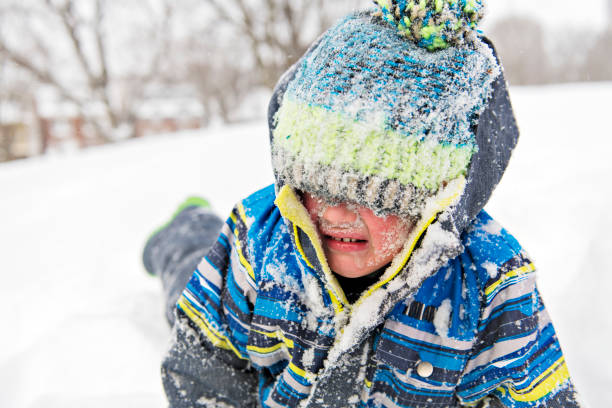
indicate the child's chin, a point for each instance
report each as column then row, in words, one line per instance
column 351, row 269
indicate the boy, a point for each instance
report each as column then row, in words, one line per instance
column 369, row 275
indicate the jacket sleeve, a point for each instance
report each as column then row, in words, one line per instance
column 516, row 360
column 207, row 364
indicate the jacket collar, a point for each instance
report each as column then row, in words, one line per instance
column 308, row 243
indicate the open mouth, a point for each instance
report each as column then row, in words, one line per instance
column 345, row 244
column 345, row 239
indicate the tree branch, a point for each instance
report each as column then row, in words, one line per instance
column 41, row 74
column 70, row 23
column 101, row 82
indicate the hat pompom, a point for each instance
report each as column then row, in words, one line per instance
column 434, row 24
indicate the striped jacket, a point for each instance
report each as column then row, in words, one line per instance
column 452, row 322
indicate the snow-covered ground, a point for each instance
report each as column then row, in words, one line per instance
column 82, row 324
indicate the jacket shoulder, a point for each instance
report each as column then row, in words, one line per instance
column 259, row 204
column 258, row 212
column 496, row 255
column 265, row 230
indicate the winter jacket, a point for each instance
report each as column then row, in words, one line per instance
column 454, row 321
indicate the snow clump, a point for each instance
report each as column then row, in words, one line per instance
column 442, row 318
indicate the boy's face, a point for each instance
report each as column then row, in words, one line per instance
column 356, row 241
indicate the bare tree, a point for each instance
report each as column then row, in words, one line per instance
column 67, row 45
column 92, row 55
column 277, row 32
column 238, row 46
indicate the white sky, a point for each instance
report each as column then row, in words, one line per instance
column 555, row 13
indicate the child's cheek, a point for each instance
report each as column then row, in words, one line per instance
column 392, row 236
column 312, row 206
column 385, row 233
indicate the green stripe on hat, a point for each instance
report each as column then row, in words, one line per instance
column 317, row 136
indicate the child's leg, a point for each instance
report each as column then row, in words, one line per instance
column 174, row 251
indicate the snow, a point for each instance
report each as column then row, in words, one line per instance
column 442, row 318
column 491, row 269
column 492, row 227
column 83, row 324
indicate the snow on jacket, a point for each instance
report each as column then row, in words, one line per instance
column 454, row 321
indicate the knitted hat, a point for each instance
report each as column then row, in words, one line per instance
column 383, row 109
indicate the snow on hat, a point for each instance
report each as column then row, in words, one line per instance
column 382, row 110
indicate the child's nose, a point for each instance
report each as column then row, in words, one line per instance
column 339, row 214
